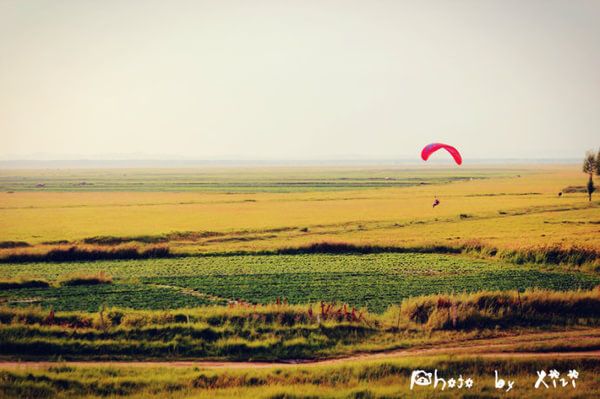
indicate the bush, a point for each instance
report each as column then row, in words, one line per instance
column 13, row 244
column 23, row 283
column 86, row 279
column 88, row 253
column 574, row 189
column 332, row 247
column 112, row 240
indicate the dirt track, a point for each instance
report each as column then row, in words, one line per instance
column 508, row 346
column 475, row 350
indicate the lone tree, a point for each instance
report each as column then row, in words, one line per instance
column 591, row 165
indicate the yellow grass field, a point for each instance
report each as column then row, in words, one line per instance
column 521, row 210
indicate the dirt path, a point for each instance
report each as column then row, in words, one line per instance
column 474, row 350
column 507, row 346
column 328, row 362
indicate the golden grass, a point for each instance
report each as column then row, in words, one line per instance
column 504, row 212
column 388, row 378
column 499, row 308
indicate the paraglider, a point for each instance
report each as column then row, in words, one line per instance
column 433, row 147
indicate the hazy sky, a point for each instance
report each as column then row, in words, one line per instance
column 298, row 79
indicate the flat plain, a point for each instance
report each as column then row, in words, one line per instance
column 295, row 264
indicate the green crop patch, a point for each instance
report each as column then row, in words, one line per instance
column 374, row 281
column 375, row 291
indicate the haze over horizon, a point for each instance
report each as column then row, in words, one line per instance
column 290, row 80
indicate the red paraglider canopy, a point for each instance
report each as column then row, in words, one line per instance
column 433, row 147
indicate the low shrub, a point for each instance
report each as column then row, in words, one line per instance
column 13, row 244
column 114, row 240
column 86, row 279
column 574, row 189
column 332, row 247
column 23, row 283
column 89, row 253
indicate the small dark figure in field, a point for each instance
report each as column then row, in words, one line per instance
column 436, row 202
column 560, row 194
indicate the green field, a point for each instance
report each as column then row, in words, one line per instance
column 372, row 281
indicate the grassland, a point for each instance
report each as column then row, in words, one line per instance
column 360, row 379
column 274, row 332
column 495, row 209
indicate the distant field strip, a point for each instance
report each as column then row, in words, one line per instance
column 235, row 179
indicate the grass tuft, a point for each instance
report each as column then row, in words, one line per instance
column 504, row 309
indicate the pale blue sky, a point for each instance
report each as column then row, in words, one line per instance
column 298, row 79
